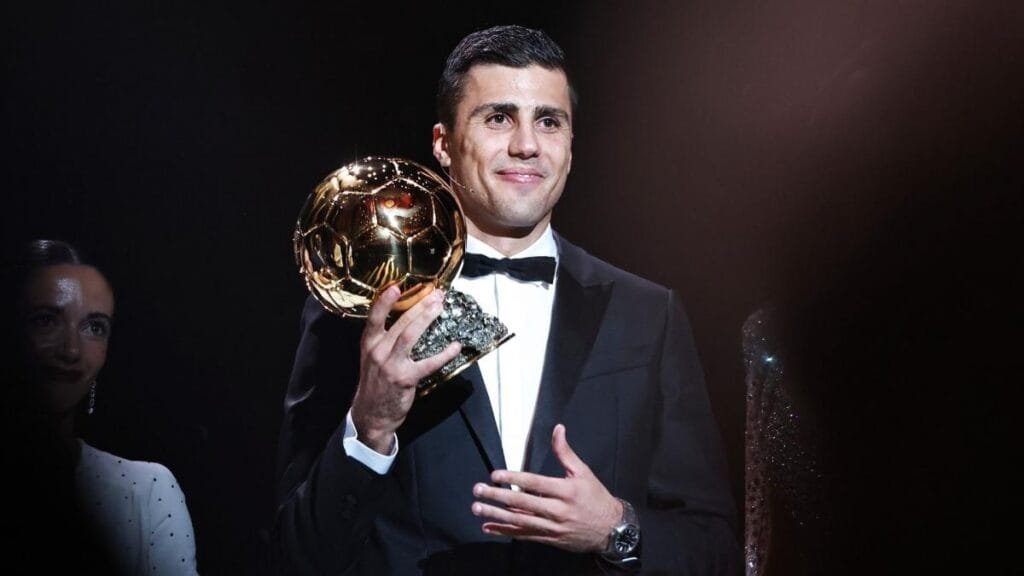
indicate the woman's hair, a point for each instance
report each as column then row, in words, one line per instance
column 39, row 253
column 17, row 267
column 29, row 257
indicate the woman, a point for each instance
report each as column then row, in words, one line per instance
column 132, row 514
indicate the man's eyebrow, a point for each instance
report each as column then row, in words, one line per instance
column 551, row 112
column 507, row 108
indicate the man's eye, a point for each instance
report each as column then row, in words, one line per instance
column 498, row 119
column 550, row 123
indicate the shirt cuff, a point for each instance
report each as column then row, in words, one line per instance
column 379, row 463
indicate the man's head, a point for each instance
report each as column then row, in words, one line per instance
column 505, row 134
column 511, row 46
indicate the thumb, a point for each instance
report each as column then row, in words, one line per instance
column 565, row 454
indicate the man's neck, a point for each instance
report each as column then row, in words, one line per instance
column 509, row 243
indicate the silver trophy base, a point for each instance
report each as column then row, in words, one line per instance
column 460, row 320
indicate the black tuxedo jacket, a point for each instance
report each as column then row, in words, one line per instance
column 621, row 373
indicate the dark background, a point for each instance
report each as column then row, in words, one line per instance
column 857, row 164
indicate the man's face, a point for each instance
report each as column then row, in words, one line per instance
column 510, row 149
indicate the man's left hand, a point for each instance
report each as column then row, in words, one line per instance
column 574, row 513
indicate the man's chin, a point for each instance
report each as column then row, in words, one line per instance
column 514, row 228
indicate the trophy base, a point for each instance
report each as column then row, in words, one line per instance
column 461, row 320
column 427, row 385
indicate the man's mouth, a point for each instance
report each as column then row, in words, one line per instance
column 521, row 175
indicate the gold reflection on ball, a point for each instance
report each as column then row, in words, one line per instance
column 375, row 223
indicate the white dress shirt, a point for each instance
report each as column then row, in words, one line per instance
column 512, row 372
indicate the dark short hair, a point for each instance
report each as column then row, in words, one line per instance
column 512, row 46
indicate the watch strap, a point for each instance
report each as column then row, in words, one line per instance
column 628, row 523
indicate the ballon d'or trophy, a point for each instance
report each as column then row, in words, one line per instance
column 380, row 222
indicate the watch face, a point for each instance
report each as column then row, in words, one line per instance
column 627, row 539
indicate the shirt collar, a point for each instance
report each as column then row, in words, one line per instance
column 545, row 245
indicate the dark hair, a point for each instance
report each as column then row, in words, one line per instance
column 512, row 46
column 33, row 255
column 39, row 253
column 29, row 257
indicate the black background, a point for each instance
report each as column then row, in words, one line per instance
column 858, row 162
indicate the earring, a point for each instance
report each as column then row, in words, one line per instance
column 92, row 398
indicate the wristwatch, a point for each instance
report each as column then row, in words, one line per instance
column 624, row 540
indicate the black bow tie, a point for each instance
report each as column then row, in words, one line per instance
column 540, row 268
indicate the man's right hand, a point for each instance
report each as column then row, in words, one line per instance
column 388, row 375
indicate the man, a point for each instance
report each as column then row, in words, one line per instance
column 583, row 445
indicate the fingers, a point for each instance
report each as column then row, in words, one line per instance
column 572, row 513
column 504, row 506
column 410, row 325
column 566, row 456
column 387, row 345
column 544, row 485
column 499, row 529
column 530, row 483
column 434, row 363
column 520, row 501
column 380, row 310
column 511, row 518
column 527, row 517
column 523, row 522
column 388, row 375
column 544, row 536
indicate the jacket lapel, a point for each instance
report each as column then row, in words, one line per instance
column 476, row 411
column 578, row 309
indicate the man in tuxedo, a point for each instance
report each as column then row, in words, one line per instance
column 585, row 444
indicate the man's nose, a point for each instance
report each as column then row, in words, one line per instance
column 524, row 143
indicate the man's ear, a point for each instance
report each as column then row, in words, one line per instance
column 569, row 169
column 441, row 145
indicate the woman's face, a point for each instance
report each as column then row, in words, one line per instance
column 66, row 312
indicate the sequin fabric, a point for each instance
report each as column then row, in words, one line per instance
column 782, row 477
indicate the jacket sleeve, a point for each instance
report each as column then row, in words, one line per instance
column 688, row 519
column 326, row 501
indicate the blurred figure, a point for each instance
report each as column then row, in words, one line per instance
column 786, row 508
column 78, row 508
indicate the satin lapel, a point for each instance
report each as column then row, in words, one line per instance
column 575, row 319
column 479, row 417
column 433, row 409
